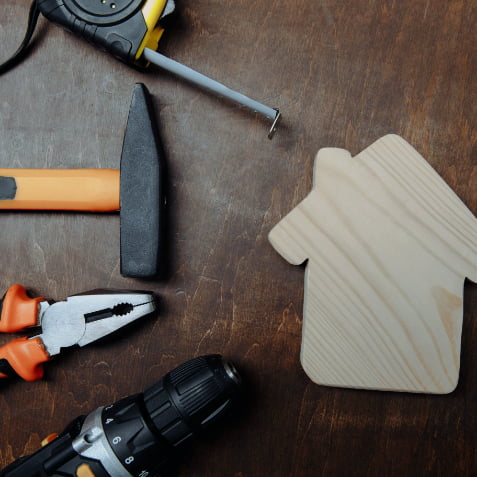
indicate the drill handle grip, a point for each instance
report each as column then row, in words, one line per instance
column 55, row 454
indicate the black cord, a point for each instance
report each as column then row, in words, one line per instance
column 19, row 54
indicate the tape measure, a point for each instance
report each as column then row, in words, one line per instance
column 121, row 27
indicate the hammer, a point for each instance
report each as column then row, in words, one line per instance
column 136, row 190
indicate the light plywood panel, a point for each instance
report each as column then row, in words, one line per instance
column 388, row 245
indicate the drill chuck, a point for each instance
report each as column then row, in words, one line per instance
column 140, row 435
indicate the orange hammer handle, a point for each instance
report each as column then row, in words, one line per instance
column 93, row 190
column 18, row 310
column 23, row 357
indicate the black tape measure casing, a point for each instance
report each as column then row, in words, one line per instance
column 102, row 12
column 116, row 26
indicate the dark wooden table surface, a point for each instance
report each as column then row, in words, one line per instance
column 343, row 73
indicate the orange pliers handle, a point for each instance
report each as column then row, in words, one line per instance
column 22, row 356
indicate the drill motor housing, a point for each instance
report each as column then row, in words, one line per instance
column 140, row 435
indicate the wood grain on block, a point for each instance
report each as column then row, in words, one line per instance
column 388, row 245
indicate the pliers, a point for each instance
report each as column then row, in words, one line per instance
column 79, row 320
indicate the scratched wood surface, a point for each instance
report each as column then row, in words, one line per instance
column 343, row 73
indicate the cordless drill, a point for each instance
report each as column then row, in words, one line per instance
column 140, row 435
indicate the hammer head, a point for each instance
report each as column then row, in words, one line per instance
column 142, row 198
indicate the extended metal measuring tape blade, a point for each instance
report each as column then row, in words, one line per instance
column 208, row 83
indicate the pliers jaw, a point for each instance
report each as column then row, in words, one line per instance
column 82, row 319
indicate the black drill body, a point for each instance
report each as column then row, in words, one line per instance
column 140, row 435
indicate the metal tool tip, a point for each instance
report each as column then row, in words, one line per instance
column 278, row 116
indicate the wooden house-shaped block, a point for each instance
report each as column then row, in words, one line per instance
column 389, row 246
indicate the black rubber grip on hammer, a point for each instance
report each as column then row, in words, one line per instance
column 142, row 197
